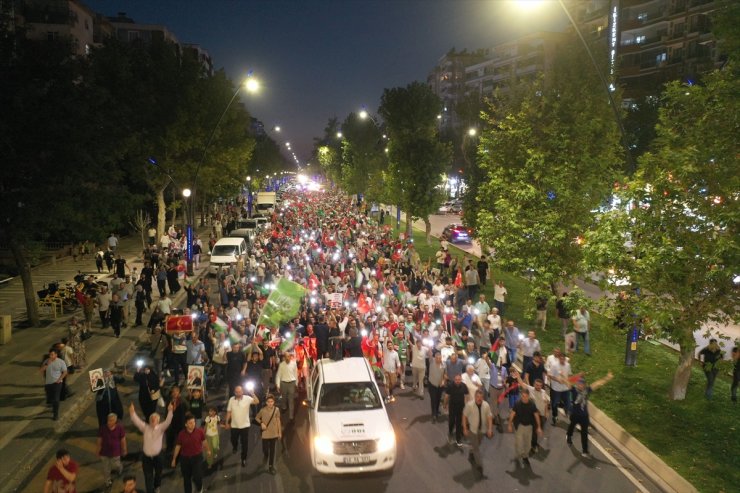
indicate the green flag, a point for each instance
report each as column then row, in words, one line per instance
column 283, row 303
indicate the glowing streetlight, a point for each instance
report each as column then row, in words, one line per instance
column 252, row 85
column 363, row 114
column 277, row 128
column 472, row 132
column 186, row 192
column 339, row 135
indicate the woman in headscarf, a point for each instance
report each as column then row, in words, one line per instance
column 107, row 400
column 149, row 392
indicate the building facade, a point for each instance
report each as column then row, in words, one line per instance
column 65, row 20
column 511, row 62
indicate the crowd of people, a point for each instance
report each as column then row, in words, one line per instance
column 367, row 294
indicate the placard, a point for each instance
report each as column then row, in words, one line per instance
column 335, row 300
column 97, row 381
column 196, row 377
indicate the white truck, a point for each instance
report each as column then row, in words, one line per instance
column 266, row 202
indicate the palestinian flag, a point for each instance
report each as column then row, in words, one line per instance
column 359, row 277
column 288, row 342
column 221, row 326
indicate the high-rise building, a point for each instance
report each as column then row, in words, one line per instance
column 511, row 62
column 447, row 80
column 664, row 40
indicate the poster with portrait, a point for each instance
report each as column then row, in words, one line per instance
column 97, row 381
column 335, row 300
column 196, row 377
column 570, row 342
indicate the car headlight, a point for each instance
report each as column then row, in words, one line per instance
column 323, row 445
column 387, row 442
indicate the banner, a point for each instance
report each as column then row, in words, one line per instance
column 179, row 323
column 283, row 304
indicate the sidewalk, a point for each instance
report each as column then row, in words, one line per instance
column 27, row 429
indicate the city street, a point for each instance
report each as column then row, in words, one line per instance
column 425, row 462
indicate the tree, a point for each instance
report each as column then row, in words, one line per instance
column 551, row 154
column 417, row 158
column 681, row 219
column 362, row 155
column 328, row 150
column 60, row 152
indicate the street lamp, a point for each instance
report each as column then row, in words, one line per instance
column 249, row 196
column 251, row 85
column 339, row 135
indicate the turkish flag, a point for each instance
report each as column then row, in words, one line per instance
column 182, row 323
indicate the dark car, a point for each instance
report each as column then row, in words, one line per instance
column 457, row 233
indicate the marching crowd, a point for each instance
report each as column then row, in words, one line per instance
column 368, row 294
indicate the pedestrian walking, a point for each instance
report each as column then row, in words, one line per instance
column 272, row 431
column 456, row 392
column 579, row 410
column 107, row 400
column 285, row 382
column 436, row 384
column 709, row 357
column 55, row 371
column 149, row 389
column 419, row 358
column 153, row 431
column 212, row 425
column 526, row 420
column 582, row 326
column 559, row 375
column 392, row 369
column 189, row 448
column 237, row 420
column 499, row 297
column 563, row 314
column 477, row 421
column 62, row 475
column 115, row 311
column 111, row 447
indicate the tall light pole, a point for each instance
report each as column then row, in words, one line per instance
column 251, row 85
column 249, row 196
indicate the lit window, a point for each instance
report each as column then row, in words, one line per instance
column 642, row 16
column 640, row 39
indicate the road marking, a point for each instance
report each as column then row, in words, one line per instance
column 619, row 466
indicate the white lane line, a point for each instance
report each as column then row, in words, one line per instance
column 619, row 466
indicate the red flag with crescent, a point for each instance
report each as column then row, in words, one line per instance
column 181, row 323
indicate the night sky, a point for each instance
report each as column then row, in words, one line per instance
column 322, row 58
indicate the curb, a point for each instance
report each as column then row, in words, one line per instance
column 38, row 455
column 650, row 464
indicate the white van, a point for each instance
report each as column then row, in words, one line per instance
column 227, row 252
column 349, row 426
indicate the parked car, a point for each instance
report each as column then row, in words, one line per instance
column 457, row 233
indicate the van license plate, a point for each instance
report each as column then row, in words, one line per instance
column 357, row 459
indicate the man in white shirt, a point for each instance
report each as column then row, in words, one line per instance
column 499, row 296
column 153, row 431
column 529, row 346
column 582, row 326
column 559, row 374
column 472, row 381
column 165, row 304
column 496, row 322
column 419, row 358
column 285, row 381
column 392, row 369
column 237, row 420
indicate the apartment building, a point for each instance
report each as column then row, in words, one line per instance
column 447, row 80
column 511, row 62
column 51, row 20
column 664, row 40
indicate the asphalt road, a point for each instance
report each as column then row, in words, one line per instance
column 425, row 463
